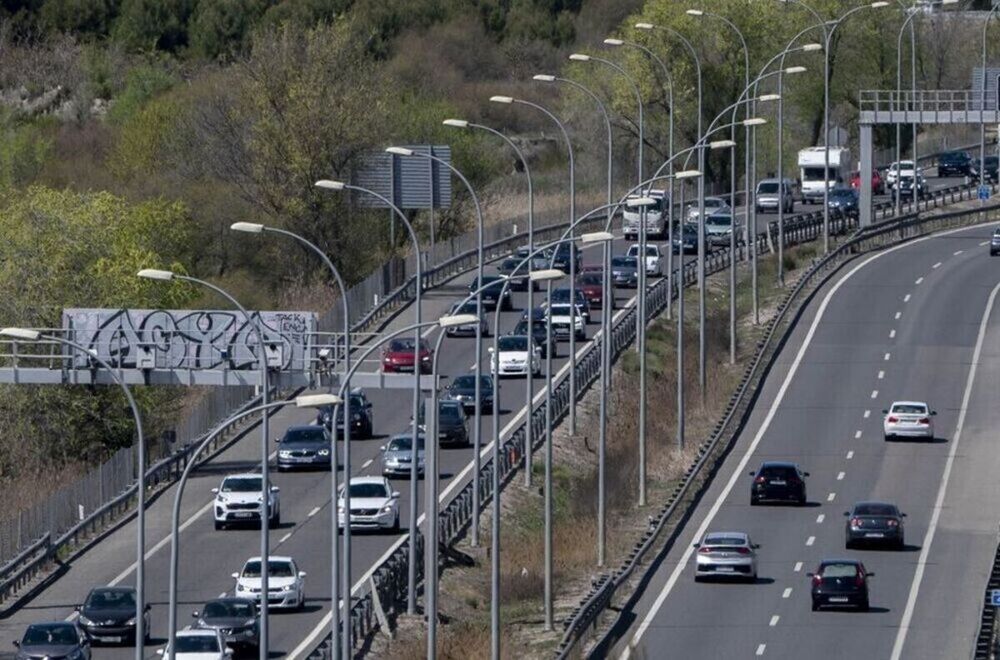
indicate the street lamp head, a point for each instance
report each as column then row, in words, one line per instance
column 579, row 57
column 452, row 320
column 613, row 42
column 795, row 69
column 248, row 227
column 399, row 151
column 21, row 333
column 543, row 77
column 878, row 5
column 644, row 26
column 694, row 12
column 949, row 2
column 754, row 121
column 457, row 123
column 546, row 275
column 317, row 400
column 330, row 185
column 502, row 99
column 640, row 201
column 722, row 144
column 808, row 48
column 687, row 174
column 596, row 237
column 154, row 274
column 769, row 97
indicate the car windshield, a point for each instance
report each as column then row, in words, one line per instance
column 199, row 644
column 469, row 382
column 909, row 409
column 778, row 472
column 111, row 599
column 450, row 413
column 369, row 490
column 651, row 251
column 839, row 571
column 657, row 206
column 768, row 188
column 404, row 443
column 226, row 609
column 402, row 345
column 308, row 434
column 241, row 485
column 875, row 510
column 842, row 194
column 281, row 569
column 55, row 634
column 563, row 310
column 724, row 540
column 816, row 174
column 562, row 295
column 590, row 279
column 468, row 307
column 722, row 219
column 623, row 262
column 513, row 343
column 954, row 155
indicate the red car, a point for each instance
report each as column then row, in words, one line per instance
column 591, row 283
column 399, row 356
column 878, row 183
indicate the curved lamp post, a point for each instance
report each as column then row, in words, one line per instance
column 982, row 128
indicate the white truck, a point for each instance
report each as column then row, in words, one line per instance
column 812, row 168
column 656, row 216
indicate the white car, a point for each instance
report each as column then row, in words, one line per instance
column 904, row 167
column 909, row 419
column 654, row 258
column 564, row 317
column 726, row 555
column 712, row 204
column 517, row 355
column 374, row 504
column 198, row 644
column 238, row 500
column 719, row 227
column 285, row 582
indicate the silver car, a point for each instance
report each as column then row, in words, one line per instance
column 726, row 555
column 908, row 419
column 712, row 204
column 397, row 455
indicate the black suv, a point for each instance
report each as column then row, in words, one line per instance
column 305, row 447
column 539, row 331
column 362, row 424
column 563, row 253
column 955, row 163
column 453, row 429
column 492, row 286
column 783, row 482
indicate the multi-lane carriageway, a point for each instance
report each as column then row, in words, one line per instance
column 208, row 557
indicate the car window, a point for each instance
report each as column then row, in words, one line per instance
column 623, row 262
column 779, row 472
column 58, row 634
column 875, row 510
column 468, row 307
column 909, row 409
column 199, row 644
column 450, row 413
column 241, row 485
column 724, row 540
column 509, row 343
column 404, row 443
column 401, row 345
column 312, row 434
column 274, row 568
column 839, row 571
column 369, row 490
column 590, row 279
column 767, row 188
column 225, row 609
column 111, row 599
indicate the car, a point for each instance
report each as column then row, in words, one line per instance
column 726, row 555
column 778, row 481
column 468, row 307
column 108, row 615
column 307, row 446
column 561, row 256
column 844, row 200
column 719, row 227
column 196, row 644
column 235, row 619
column 686, row 240
column 995, row 242
column 874, row 522
column 567, row 318
column 237, row 500
column 400, row 356
column 906, row 183
column 955, row 163
column 652, row 260
column 453, row 424
column 561, row 295
column 712, row 204
column 374, row 504
column 397, row 455
column 362, row 418
column 625, row 272
column 655, row 215
column 592, row 285
column 516, row 269
column 285, row 583
column 878, row 183
column 768, row 197
column 992, row 168
column 539, row 330
column 57, row 639
column 840, row 583
column 493, row 292
column 908, row 419
column 893, row 172
column 518, row 356
column 463, row 390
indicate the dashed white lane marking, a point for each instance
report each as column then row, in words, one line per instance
column 898, row 314
column 985, row 243
column 810, row 540
column 760, row 649
column 774, row 620
column 957, row 252
column 364, row 466
column 787, row 592
column 820, row 518
column 831, row 497
column 798, row 567
column 881, row 374
column 892, row 333
column 886, row 357
column 874, row 394
column 850, row 454
column 867, row 414
column 284, row 538
column 857, row 434
column 840, row 476
column 313, row 512
column 919, row 280
column 906, row 298
column 937, row 265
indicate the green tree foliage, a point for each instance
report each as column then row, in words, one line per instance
column 223, row 27
column 529, row 20
column 142, row 83
column 24, row 148
column 88, row 18
column 145, row 25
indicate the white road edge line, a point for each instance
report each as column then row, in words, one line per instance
column 911, row 601
column 313, row 512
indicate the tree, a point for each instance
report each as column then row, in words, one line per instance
column 154, row 24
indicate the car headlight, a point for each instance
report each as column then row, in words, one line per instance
column 387, row 508
column 340, row 508
column 85, row 621
column 284, row 454
column 287, row 587
column 425, row 358
column 130, row 622
column 356, row 417
column 323, row 452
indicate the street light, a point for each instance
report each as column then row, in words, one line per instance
column 258, row 328
column 982, row 127
column 27, row 334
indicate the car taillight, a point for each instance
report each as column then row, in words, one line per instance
column 925, row 420
column 892, row 420
column 817, row 580
column 859, row 580
column 855, row 522
column 743, row 551
column 704, row 550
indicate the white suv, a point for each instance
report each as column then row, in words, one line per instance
column 238, row 500
column 653, row 256
column 285, row 582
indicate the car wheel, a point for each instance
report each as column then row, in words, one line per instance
column 219, row 525
column 275, row 521
column 899, row 544
column 754, row 501
column 864, row 606
column 849, row 544
column 698, row 578
column 801, row 501
column 815, row 605
column 395, row 524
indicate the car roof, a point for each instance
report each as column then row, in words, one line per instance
column 909, row 403
column 368, row 480
column 243, row 475
column 827, row 562
column 778, row 464
column 304, row 427
column 229, row 599
column 198, row 632
column 274, row 557
column 727, row 535
column 52, row 624
column 112, row 589
column 873, row 503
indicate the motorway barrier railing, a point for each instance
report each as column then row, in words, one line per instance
column 987, row 642
column 714, row 450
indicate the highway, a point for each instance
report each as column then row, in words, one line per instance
column 913, row 322
column 208, row 557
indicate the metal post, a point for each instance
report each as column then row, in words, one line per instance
column 641, row 345
column 607, row 307
column 548, row 462
column 701, row 274
column 781, row 180
column 982, row 108
column 680, row 334
column 431, row 509
column 865, row 201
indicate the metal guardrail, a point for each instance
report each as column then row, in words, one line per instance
column 714, row 450
column 986, row 641
column 926, row 100
column 390, row 577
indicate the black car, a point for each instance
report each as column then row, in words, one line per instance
column 840, row 583
column 108, row 615
column 453, row 427
column 305, row 447
column 955, row 163
column 561, row 258
column 463, row 390
column 561, row 295
column 687, row 240
column 517, row 269
column 995, row 242
column 775, row 481
column 625, row 271
column 874, row 522
column 362, row 422
column 844, row 201
column 58, row 639
column 491, row 293
column 539, row 331
column 992, row 164
column 235, row 618
column 906, row 184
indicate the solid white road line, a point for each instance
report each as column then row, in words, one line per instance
column 850, row 455
column 831, row 497
column 760, row 649
column 787, row 592
column 820, row 518
column 911, row 601
column 774, row 620
column 810, row 540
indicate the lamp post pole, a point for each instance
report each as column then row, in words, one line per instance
column 982, row 127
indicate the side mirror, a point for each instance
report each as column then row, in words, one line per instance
column 395, row 494
column 275, row 489
column 78, row 608
column 753, row 474
column 847, row 513
column 382, row 448
column 215, row 491
column 147, row 608
column 885, row 411
column 902, row 515
column 236, row 576
column 277, row 439
column 302, row 574
column 17, row 644
column 196, row 614
column 805, row 474
column 695, row 545
column 756, row 546
column 159, row 651
column 933, row 412
column 870, row 575
column 810, row 575
column 228, row 652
